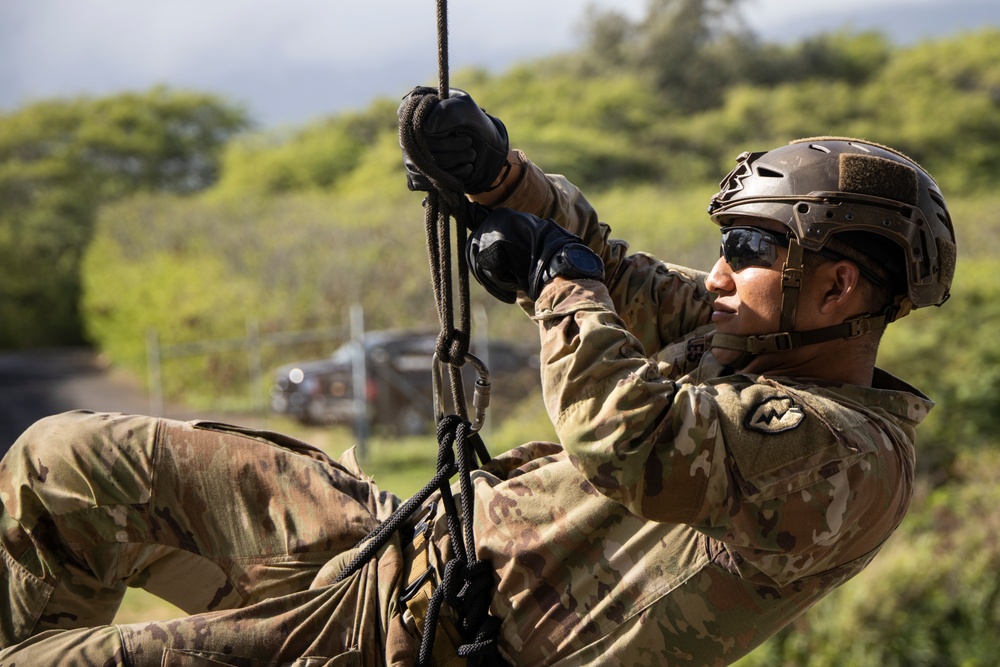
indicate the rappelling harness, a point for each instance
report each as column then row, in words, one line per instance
column 466, row 584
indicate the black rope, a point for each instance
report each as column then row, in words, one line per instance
column 377, row 538
column 445, row 201
column 467, row 582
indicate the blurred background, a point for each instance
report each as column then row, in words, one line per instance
column 202, row 207
column 290, row 63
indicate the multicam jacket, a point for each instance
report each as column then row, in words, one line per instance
column 689, row 512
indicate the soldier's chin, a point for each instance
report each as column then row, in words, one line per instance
column 734, row 359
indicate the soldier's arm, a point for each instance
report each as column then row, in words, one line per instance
column 785, row 486
column 658, row 302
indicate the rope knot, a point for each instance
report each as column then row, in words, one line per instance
column 479, row 627
column 452, row 346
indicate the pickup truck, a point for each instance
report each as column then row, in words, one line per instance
column 398, row 381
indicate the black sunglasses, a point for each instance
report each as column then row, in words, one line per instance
column 751, row 246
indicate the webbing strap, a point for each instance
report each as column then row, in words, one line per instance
column 418, row 594
column 789, row 340
column 791, row 284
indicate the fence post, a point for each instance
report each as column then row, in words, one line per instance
column 254, row 368
column 360, row 379
column 153, row 373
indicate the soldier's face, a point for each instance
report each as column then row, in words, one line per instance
column 748, row 300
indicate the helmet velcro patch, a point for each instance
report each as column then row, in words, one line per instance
column 946, row 260
column 878, row 177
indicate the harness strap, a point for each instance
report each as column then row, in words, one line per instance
column 791, row 284
column 420, row 584
column 788, row 340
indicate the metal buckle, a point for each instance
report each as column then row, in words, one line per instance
column 421, row 529
column 414, row 586
column 423, row 523
column 859, row 326
column 776, row 342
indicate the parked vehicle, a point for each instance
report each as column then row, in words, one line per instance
column 398, row 381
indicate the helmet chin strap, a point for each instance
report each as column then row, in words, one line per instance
column 787, row 338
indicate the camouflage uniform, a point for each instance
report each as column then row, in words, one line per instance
column 688, row 514
column 247, row 529
column 748, row 498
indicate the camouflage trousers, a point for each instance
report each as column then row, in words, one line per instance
column 243, row 530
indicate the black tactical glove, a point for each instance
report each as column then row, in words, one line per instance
column 510, row 251
column 464, row 141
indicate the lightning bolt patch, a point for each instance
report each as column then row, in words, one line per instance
column 776, row 414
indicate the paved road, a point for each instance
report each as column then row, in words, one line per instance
column 37, row 383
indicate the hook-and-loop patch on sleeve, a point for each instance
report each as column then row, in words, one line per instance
column 781, row 439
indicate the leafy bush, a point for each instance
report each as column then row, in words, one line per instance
column 196, row 269
column 947, row 353
column 315, row 157
column 59, row 161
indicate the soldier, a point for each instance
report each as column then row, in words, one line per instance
column 729, row 452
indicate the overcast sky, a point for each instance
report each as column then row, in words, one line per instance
column 290, row 61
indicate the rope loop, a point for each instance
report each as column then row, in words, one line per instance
column 413, row 115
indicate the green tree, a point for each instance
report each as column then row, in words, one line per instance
column 841, row 56
column 315, row 157
column 59, row 160
column 687, row 50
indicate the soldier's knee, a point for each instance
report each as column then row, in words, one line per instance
column 54, row 436
column 79, row 445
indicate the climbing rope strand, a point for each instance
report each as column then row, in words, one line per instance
column 442, row 43
column 467, row 583
column 377, row 538
column 445, row 201
column 471, row 600
column 465, row 465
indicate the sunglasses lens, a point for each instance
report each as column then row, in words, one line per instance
column 748, row 246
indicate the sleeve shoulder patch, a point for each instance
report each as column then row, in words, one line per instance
column 780, row 438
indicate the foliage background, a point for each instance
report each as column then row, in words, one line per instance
column 164, row 210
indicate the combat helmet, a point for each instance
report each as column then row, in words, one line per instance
column 831, row 190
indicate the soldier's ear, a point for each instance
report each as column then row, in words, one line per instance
column 841, row 282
